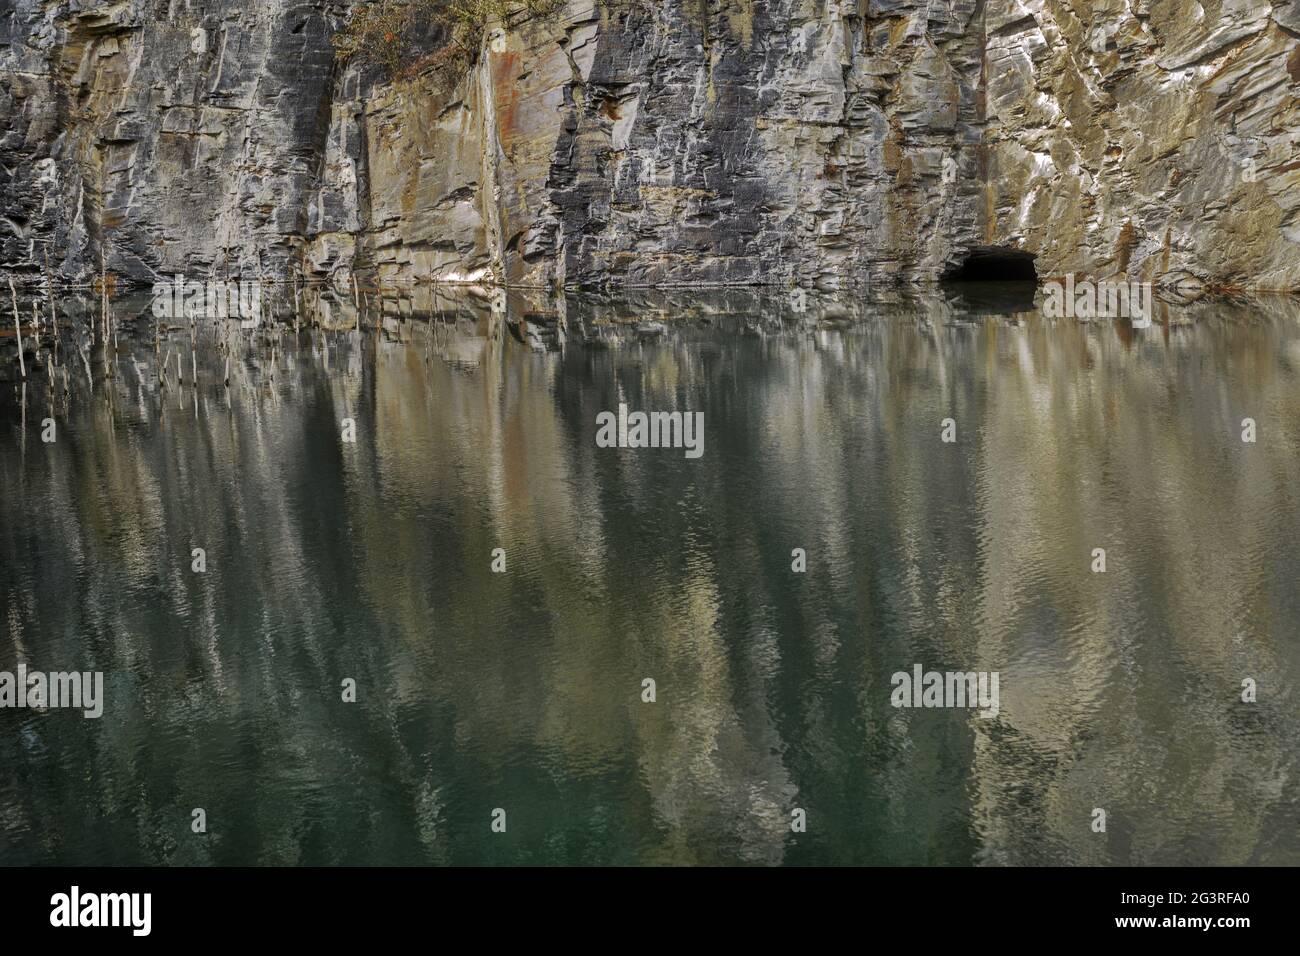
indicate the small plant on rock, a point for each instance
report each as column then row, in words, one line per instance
column 387, row 32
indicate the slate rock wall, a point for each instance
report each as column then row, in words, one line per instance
column 827, row 143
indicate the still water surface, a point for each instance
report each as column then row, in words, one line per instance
column 476, row 690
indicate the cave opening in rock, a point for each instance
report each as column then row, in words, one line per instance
column 993, row 280
column 994, row 264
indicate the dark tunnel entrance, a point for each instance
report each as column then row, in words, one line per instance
column 992, row 264
column 993, row 280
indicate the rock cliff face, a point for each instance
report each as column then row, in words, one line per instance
column 830, row 143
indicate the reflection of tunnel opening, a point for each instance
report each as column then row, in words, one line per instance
column 994, row 264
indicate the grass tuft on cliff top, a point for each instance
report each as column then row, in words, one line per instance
column 389, row 33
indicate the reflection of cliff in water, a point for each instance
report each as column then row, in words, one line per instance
column 522, row 690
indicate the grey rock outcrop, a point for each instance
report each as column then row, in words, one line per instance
column 626, row 143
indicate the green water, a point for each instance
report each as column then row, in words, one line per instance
column 372, row 561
